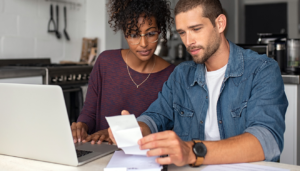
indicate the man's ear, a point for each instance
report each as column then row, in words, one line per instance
column 221, row 23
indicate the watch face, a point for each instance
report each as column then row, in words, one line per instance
column 200, row 149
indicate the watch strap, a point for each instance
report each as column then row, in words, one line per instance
column 199, row 160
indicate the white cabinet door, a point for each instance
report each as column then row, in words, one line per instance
column 289, row 154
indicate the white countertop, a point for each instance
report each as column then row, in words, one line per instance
column 9, row 163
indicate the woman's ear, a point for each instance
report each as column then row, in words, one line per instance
column 221, row 23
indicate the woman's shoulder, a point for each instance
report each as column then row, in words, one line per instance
column 108, row 56
column 115, row 53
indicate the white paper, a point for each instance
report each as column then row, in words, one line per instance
column 241, row 167
column 124, row 162
column 126, row 132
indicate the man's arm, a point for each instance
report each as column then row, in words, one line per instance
column 238, row 149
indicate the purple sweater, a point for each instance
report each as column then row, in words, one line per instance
column 111, row 90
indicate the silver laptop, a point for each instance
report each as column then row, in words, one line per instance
column 34, row 125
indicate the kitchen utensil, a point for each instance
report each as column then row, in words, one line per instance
column 51, row 21
column 65, row 29
column 57, row 22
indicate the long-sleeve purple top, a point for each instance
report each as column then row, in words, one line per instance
column 111, row 90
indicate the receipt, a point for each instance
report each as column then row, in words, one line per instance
column 126, row 132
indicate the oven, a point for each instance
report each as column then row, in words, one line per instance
column 72, row 78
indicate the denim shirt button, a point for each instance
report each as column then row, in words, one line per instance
column 201, row 122
column 206, row 97
column 220, row 121
column 182, row 112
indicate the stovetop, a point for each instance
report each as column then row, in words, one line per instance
column 56, row 74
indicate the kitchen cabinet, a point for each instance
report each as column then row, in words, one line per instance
column 291, row 150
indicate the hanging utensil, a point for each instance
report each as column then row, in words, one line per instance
column 65, row 29
column 57, row 22
column 51, row 21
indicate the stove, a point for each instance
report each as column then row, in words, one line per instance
column 55, row 74
column 73, row 79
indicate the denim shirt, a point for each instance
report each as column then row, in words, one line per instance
column 252, row 99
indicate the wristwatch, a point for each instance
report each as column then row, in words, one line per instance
column 200, row 151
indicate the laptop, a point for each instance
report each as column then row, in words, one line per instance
column 34, row 124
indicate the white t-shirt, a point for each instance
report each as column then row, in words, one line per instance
column 214, row 81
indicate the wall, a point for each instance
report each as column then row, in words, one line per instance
column 293, row 14
column 97, row 26
column 231, row 11
column 23, row 30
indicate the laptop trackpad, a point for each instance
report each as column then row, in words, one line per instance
column 94, row 151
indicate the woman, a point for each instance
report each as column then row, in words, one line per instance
column 127, row 79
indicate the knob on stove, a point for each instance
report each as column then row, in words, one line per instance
column 78, row 77
column 84, row 76
column 61, row 78
column 70, row 77
column 54, row 79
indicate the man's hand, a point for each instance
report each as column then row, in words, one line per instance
column 79, row 131
column 98, row 137
column 144, row 128
column 168, row 143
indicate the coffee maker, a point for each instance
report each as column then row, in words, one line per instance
column 277, row 47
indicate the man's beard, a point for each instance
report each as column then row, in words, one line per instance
column 212, row 47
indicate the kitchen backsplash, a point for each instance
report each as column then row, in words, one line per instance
column 24, row 24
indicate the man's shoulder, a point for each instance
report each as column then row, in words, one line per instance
column 184, row 72
column 254, row 61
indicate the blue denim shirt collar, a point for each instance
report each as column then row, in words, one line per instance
column 235, row 66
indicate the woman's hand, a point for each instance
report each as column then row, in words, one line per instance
column 99, row 137
column 79, row 131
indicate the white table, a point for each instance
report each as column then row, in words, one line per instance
column 8, row 163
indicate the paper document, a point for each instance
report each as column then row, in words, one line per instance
column 241, row 167
column 127, row 132
column 124, row 162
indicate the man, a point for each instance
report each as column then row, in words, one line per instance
column 230, row 99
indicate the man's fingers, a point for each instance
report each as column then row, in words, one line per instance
column 164, row 160
column 125, row 112
column 160, row 152
column 157, row 144
column 157, row 136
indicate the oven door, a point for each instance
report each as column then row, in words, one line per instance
column 74, row 99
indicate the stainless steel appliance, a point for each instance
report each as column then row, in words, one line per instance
column 293, row 56
column 71, row 77
column 270, row 39
column 259, row 48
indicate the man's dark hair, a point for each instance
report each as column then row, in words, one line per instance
column 211, row 8
column 124, row 14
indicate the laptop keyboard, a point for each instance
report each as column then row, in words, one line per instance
column 81, row 153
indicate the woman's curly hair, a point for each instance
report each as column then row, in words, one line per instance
column 124, row 14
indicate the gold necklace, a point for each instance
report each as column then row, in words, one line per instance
column 137, row 86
